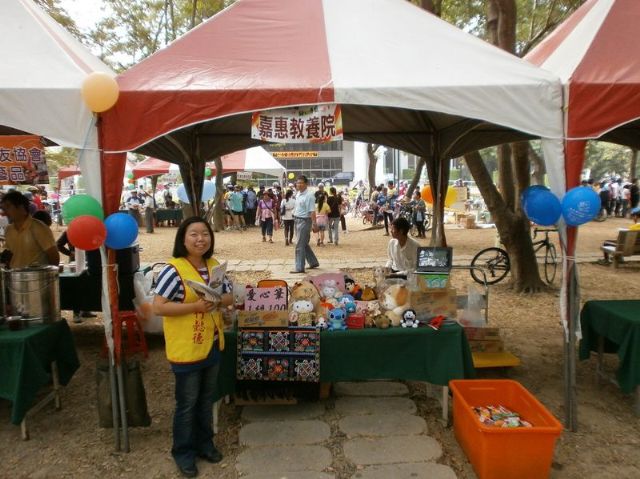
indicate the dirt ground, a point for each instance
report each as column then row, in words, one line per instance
column 69, row 443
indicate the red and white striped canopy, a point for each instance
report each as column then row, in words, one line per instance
column 370, row 56
column 595, row 54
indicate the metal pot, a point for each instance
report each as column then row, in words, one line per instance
column 32, row 292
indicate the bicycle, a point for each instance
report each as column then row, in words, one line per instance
column 495, row 261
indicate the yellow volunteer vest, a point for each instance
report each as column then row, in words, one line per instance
column 189, row 338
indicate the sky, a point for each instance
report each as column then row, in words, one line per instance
column 84, row 12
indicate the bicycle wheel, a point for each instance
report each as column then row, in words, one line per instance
column 495, row 262
column 550, row 263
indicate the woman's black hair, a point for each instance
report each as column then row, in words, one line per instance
column 43, row 216
column 288, row 194
column 321, row 199
column 17, row 199
column 179, row 249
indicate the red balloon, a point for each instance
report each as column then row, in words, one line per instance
column 86, row 232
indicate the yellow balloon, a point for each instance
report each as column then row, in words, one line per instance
column 451, row 197
column 292, row 176
column 100, row 91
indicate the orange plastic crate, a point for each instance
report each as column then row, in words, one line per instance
column 504, row 453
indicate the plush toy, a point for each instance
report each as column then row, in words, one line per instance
column 371, row 314
column 395, row 301
column 348, row 303
column 301, row 313
column 337, row 319
column 382, row 322
column 368, row 293
column 329, row 289
column 353, row 288
column 322, row 324
column 409, row 319
column 305, row 290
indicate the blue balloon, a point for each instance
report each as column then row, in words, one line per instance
column 530, row 192
column 543, row 208
column 580, row 205
column 122, row 230
column 208, row 192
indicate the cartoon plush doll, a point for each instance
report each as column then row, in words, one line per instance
column 322, row 324
column 409, row 319
column 329, row 290
column 395, row 301
column 372, row 314
column 348, row 303
column 305, row 290
column 301, row 313
column 368, row 293
column 353, row 288
column 337, row 319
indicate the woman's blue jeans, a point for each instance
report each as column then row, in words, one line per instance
column 193, row 418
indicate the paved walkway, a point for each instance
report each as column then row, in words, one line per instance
column 372, row 426
column 280, row 268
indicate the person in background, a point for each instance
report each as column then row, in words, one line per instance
column 625, row 199
column 251, row 204
column 344, row 207
column 32, row 206
column 149, row 207
column 37, row 200
column 266, row 215
column 335, row 203
column 634, row 191
column 288, row 204
column 29, row 242
column 304, row 214
column 68, row 249
column 419, row 212
column 402, row 251
column 44, row 217
column 383, row 205
column 319, row 191
column 194, row 337
column 322, row 216
column 134, row 205
column 235, row 205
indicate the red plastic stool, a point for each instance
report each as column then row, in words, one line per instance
column 136, row 342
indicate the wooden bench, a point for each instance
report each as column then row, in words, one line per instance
column 627, row 244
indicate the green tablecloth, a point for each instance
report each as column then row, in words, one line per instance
column 25, row 362
column 619, row 323
column 421, row 354
column 169, row 215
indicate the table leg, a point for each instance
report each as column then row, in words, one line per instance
column 445, row 405
column 216, row 408
column 53, row 396
column 600, row 355
column 56, row 385
column 24, row 431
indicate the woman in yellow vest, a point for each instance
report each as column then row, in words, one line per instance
column 194, row 338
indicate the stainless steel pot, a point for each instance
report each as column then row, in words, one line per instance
column 32, row 292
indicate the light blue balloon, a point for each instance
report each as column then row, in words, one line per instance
column 208, row 192
column 580, row 205
column 543, row 208
column 122, row 230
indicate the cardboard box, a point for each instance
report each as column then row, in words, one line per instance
column 428, row 304
column 470, row 222
column 486, row 346
column 432, row 281
column 482, row 333
column 271, row 319
column 355, row 321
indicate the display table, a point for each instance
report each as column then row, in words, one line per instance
column 83, row 292
column 614, row 327
column 170, row 215
column 421, row 354
column 25, row 362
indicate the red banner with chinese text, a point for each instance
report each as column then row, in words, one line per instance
column 308, row 124
column 22, row 160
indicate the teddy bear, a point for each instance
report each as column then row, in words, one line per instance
column 337, row 319
column 322, row 324
column 329, row 289
column 372, row 313
column 409, row 319
column 301, row 313
column 395, row 301
column 305, row 290
column 368, row 293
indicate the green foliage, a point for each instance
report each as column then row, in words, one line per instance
column 135, row 29
column 59, row 14
column 59, row 157
column 607, row 159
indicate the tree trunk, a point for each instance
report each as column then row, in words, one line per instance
column 634, row 164
column 371, row 168
column 539, row 168
column 218, row 212
column 416, row 177
column 505, row 175
column 513, row 228
column 436, row 219
column 433, row 6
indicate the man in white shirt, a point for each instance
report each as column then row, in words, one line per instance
column 402, row 250
column 304, row 215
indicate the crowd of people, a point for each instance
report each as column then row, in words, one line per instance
column 619, row 198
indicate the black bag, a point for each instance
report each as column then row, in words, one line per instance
column 137, row 413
